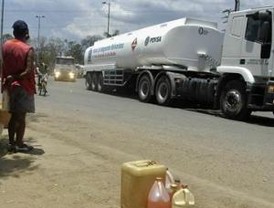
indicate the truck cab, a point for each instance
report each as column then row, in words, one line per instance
column 248, row 42
column 247, row 60
column 65, row 69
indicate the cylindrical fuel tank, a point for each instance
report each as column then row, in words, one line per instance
column 179, row 42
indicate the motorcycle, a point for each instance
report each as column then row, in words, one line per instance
column 42, row 87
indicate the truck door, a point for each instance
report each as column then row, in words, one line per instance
column 271, row 60
column 253, row 46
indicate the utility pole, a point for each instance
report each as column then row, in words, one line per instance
column 2, row 20
column 1, row 42
column 108, row 4
column 237, row 5
column 38, row 36
column 227, row 11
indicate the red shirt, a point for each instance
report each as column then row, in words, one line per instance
column 15, row 62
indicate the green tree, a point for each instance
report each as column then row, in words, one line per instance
column 7, row 37
column 89, row 41
column 52, row 47
column 75, row 50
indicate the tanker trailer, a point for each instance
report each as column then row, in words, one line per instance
column 153, row 57
column 192, row 60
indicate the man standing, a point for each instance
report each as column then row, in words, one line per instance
column 19, row 80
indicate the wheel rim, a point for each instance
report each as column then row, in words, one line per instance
column 233, row 102
column 162, row 92
column 144, row 89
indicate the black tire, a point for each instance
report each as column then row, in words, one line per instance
column 144, row 89
column 44, row 89
column 163, row 91
column 94, row 82
column 88, row 81
column 40, row 90
column 100, row 83
column 233, row 101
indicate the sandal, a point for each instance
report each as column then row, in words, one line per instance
column 24, row 148
column 11, row 148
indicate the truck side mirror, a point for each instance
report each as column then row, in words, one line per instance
column 265, row 50
column 264, row 37
column 264, row 33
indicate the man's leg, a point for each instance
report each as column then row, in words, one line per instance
column 12, row 130
column 20, row 131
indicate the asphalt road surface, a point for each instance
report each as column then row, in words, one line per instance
column 83, row 137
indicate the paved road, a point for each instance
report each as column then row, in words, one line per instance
column 225, row 155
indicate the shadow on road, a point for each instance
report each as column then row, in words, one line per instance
column 12, row 164
column 179, row 104
column 260, row 120
column 253, row 119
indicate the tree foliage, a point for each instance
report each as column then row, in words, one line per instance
column 57, row 47
column 50, row 48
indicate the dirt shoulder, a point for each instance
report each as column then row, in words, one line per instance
column 58, row 173
column 79, row 165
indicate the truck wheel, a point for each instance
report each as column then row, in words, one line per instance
column 100, row 83
column 94, row 82
column 233, row 101
column 144, row 89
column 88, row 81
column 163, row 91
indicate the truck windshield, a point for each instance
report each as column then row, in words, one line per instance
column 255, row 26
column 64, row 61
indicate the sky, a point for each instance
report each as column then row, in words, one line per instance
column 74, row 20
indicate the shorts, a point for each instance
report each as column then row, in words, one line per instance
column 21, row 101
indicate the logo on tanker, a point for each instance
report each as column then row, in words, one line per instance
column 202, row 31
column 147, row 40
column 134, row 44
column 153, row 40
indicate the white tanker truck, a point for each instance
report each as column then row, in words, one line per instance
column 192, row 60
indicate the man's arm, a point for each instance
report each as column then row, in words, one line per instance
column 30, row 60
column 29, row 68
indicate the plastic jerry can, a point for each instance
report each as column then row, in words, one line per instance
column 137, row 178
column 158, row 196
column 169, row 179
column 182, row 198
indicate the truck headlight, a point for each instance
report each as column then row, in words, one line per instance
column 71, row 75
column 57, row 74
column 270, row 89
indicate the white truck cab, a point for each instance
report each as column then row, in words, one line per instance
column 247, row 58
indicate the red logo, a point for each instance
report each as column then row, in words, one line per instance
column 134, row 44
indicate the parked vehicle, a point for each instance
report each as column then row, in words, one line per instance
column 192, row 60
column 79, row 70
column 65, row 69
